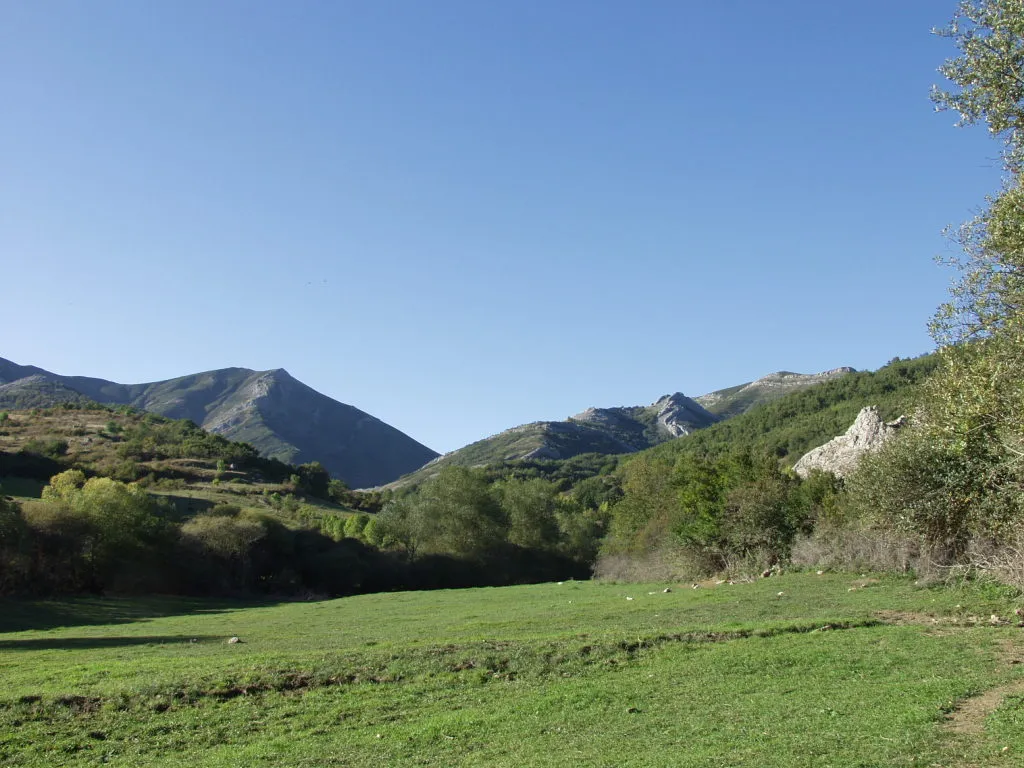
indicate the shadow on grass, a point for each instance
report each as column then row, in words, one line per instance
column 22, row 615
column 81, row 643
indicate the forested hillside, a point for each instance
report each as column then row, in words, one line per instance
column 794, row 423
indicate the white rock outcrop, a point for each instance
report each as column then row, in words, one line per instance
column 841, row 454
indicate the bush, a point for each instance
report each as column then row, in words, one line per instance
column 355, row 525
column 53, row 449
column 662, row 565
column 224, row 510
column 924, row 485
column 861, row 547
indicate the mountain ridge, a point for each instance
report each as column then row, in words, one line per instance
column 275, row 412
column 740, row 398
column 614, row 430
column 622, row 429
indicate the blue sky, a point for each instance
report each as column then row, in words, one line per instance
column 460, row 215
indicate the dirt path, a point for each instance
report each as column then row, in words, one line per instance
column 970, row 715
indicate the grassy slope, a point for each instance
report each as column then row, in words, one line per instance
column 540, row 675
column 739, row 399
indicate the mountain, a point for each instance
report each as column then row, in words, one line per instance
column 279, row 415
column 739, row 399
column 37, row 391
column 791, row 425
column 625, row 429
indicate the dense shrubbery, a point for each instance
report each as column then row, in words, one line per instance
column 737, row 512
column 98, row 534
column 460, row 513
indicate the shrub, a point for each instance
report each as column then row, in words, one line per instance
column 224, row 510
column 355, row 525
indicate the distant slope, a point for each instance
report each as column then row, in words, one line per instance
column 37, row 391
column 739, row 399
column 596, row 430
column 792, row 424
column 282, row 417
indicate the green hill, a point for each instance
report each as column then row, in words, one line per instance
column 733, row 401
column 171, row 458
column 792, row 424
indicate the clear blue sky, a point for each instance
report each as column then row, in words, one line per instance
column 461, row 215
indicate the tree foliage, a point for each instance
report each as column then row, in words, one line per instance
column 987, row 79
column 957, row 474
column 737, row 507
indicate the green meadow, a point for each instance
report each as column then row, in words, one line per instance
column 797, row 670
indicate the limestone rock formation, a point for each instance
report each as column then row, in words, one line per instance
column 840, row 455
column 679, row 415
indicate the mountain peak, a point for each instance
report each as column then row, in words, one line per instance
column 680, row 415
column 275, row 412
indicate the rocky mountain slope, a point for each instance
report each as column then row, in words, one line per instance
column 617, row 430
column 282, row 417
column 791, row 425
column 741, row 398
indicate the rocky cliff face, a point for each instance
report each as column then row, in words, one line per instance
column 841, row 454
column 678, row 415
column 639, row 427
column 279, row 415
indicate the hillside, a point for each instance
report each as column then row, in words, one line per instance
column 279, row 415
column 616, row 430
column 174, row 459
column 37, row 391
column 733, row 401
column 540, row 446
column 792, row 424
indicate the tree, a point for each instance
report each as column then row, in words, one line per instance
column 988, row 88
column 529, row 506
column 355, row 525
column 120, row 527
column 314, row 479
column 957, row 475
column 458, row 514
column 229, row 539
column 988, row 76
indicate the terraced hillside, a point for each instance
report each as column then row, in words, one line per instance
column 279, row 415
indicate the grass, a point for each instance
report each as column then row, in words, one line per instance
column 552, row 674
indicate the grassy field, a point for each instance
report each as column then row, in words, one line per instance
column 798, row 670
